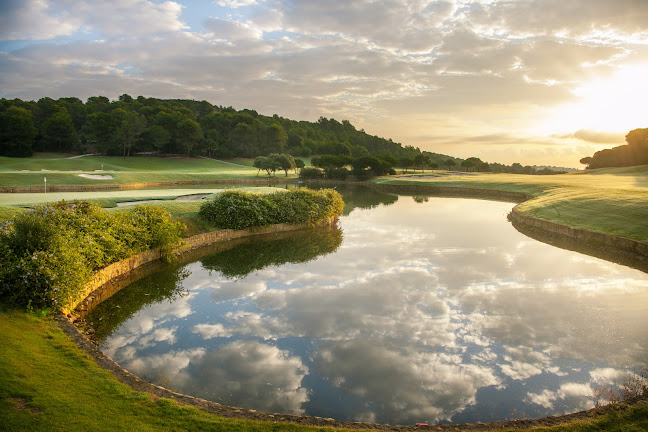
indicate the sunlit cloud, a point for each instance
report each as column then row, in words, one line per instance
column 429, row 74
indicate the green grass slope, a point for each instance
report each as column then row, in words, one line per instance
column 48, row 384
column 610, row 200
column 65, row 171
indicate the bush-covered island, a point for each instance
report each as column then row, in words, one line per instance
column 50, row 253
column 239, row 209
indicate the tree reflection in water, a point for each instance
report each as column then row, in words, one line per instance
column 234, row 259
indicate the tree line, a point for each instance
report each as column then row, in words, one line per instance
column 635, row 152
column 196, row 128
column 129, row 126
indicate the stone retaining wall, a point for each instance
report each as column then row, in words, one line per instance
column 626, row 251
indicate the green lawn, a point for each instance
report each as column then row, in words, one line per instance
column 61, row 171
column 611, row 200
column 48, row 384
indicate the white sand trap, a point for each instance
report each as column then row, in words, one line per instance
column 130, row 203
column 194, row 197
column 97, row 176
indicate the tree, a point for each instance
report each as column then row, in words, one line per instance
column 586, row 160
column 211, row 142
column 189, row 134
column 637, row 138
column 299, row 164
column 259, row 163
column 17, row 132
column 270, row 165
column 58, row 131
column 157, row 136
column 274, row 138
column 243, row 140
column 129, row 127
column 286, row 162
column 100, row 128
column 449, row 163
column 468, row 164
column 422, row 160
column 406, row 163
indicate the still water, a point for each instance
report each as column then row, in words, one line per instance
column 414, row 310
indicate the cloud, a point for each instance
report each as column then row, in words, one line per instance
column 407, row 386
column 40, row 19
column 578, row 393
column 413, row 322
column 231, row 30
column 555, row 17
column 236, row 3
column 599, row 137
column 35, row 19
column 247, row 373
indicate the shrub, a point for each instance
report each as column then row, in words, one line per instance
column 311, row 173
column 238, row 209
column 49, row 254
column 336, row 173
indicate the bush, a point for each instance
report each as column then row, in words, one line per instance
column 333, row 173
column 239, row 210
column 49, row 254
column 311, row 173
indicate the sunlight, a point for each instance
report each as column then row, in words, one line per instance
column 613, row 104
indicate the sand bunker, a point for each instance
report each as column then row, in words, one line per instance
column 194, row 197
column 97, row 176
column 130, row 203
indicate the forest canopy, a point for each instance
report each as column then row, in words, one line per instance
column 635, row 152
column 128, row 125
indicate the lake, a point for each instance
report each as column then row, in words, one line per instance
column 416, row 309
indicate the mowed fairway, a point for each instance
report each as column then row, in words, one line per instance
column 611, row 200
column 61, row 170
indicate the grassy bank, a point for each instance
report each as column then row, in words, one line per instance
column 61, row 171
column 612, row 200
column 48, row 384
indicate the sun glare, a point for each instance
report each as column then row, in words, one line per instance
column 613, row 104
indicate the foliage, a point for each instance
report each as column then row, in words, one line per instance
column 293, row 247
column 239, row 210
column 311, row 173
column 333, row 173
column 283, row 161
column 631, row 154
column 50, row 253
column 131, row 125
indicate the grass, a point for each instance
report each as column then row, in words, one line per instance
column 61, row 171
column 48, row 384
column 611, row 200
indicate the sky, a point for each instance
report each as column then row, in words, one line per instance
column 530, row 81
